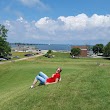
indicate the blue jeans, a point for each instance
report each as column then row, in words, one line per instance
column 42, row 77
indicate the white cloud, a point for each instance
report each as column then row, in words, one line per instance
column 20, row 19
column 99, row 21
column 32, row 3
column 71, row 29
column 47, row 25
column 74, row 22
column 82, row 21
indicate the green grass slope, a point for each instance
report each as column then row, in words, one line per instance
column 85, row 85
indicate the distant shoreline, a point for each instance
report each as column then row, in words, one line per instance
column 56, row 47
column 36, row 44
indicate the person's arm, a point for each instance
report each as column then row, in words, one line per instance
column 56, row 81
column 59, row 79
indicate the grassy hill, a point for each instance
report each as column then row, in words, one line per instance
column 85, row 84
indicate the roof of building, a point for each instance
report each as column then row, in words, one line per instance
column 81, row 47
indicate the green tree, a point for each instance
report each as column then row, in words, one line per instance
column 107, row 50
column 75, row 52
column 98, row 48
column 4, row 45
column 49, row 52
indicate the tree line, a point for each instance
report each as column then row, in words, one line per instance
column 100, row 48
column 97, row 49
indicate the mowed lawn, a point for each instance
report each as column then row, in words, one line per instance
column 85, row 84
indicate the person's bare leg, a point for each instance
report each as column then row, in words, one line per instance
column 34, row 82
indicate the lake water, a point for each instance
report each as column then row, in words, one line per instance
column 54, row 47
column 57, row 47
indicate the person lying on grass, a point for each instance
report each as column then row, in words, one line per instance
column 45, row 80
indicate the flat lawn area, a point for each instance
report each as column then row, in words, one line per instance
column 17, row 55
column 20, row 54
column 85, row 84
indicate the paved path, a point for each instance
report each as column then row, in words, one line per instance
column 21, row 59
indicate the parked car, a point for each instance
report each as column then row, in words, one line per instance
column 2, row 59
column 28, row 55
column 7, row 58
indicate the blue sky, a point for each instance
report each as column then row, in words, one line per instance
column 56, row 21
